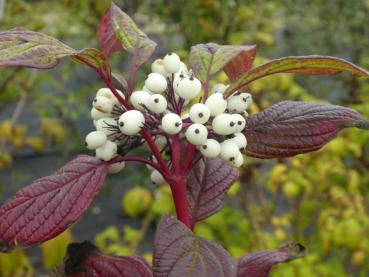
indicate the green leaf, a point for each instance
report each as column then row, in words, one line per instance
column 208, row 59
column 117, row 25
column 308, row 65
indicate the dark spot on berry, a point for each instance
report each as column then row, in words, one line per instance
column 170, row 53
column 237, row 93
column 191, row 78
column 86, row 144
column 231, row 159
column 244, row 99
column 121, row 124
column 231, row 123
column 197, row 131
column 181, row 76
column 239, row 122
column 177, row 124
column 201, row 115
column 95, row 100
column 242, row 148
column 205, row 147
column 156, row 100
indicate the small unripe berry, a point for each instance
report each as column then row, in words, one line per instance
column 157, row 103
column 210, row 149
column 107, row 125
column 216, row 104
column 240, row 140
column 171, row 123
column 219, row 88
column 172, row 63
column 224, row 124
column 106, row 92
column 139, row 99
column 96, row 114
column 238, row 161
column 199, row 113
column 158, row 67
column 240, row 122
column 157, row 178
column 116, row 168
column 107, row 151
column 156, row 83
column 229, row 150
column 188, row 88
column 103, row 104
column 197, row 134
column 95, row 140
column 131, row 122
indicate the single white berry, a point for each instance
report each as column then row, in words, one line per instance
column 216, row 104
column 210, row 149
column 188, row 88
column 238, row 161
column 139, row 99
column 157, row 178
column 240, row 140
column 219, row 88
column 157, row 103
column 172, row 63
column 107, row 125
column 224, row 124
column 116, row 168
column 240, row 122
column 197, row 134
column 246, row 98
column 106, row 92
column 95, row 140
column 199, row 113
column 96, row 114
column 144, row 88
column 235, row 104
column 229, row 150
column 131, row 122
column 103, row 104
column 183, row 68
column 156, row 83
column 107, row 151
column 171, row 123
column 179, row 76
column 158, row 67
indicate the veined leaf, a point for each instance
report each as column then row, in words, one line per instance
column 178, row 252
column 116, row 26
column 309, row 65
column 290, row 128
column 93, row 58
column 208, row 59
column 50, row 204
column 207, row 184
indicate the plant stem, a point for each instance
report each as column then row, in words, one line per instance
column 178, row 188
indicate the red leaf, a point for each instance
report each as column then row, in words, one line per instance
column 310, row 65
column 207, row 183
column 178, row 252
column 240, row 64
column 290, row 128
column 50, row 204
column 93, row 58
column 260, row 263
column 85, row 260
column 107, row 39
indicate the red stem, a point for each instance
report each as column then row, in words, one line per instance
column 178, row 188
column 189, row 157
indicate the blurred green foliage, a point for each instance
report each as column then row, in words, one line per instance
column 319, row 199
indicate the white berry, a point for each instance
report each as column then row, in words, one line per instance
column 197, row 134
column 106, row 92
column 235, row 104
column 199, row 113
column 240, row 122
column 96, row 114
column 240, row 140
column 107, row 151
column 229, row 150
column 172, row 63
column 107, row 125
column 157, row 103
column 216, row 104
column 131, row 122
column 95, row 140
column 157, row 178
column 116, row 168
column 103, row 104
column 158, row 67
column 188, row 88
column 224, row 124
column 246, row 98
column 144, row 88
column 156, row 83
column 139, row 99
column 219, row 88
column 179, row 76
column 183, row 68
column 210, row 149
column 238, row 161
column 171, row 123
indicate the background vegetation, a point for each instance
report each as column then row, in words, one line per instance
column 321, row 199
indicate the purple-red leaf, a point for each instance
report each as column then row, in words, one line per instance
column 260, row 263
column 207, row 183
column 208, row 59
column 117, row 27
column 50, row 204
column 85, row 260
column 121, row 80
column 290, row 128
column 310, row 65
column 178, row 252
column 95, row 59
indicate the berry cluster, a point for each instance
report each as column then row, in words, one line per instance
column 214, row 124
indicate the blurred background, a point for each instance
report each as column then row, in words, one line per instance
column 320, row 199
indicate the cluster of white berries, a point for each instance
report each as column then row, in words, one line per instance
column 214, row 126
